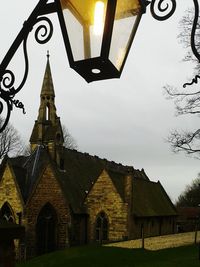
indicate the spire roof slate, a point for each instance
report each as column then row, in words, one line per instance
column 47, row 86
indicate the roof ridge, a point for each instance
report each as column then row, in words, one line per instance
column 109, row 163
column 146, row 180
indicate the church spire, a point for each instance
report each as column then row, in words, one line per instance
column 47, row 87
column 47, row 110
column 47, row 129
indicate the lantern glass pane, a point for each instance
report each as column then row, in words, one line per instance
column 84, row 21
column 125, row 26
column 75, row 34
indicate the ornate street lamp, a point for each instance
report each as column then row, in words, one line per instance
column 97, row 34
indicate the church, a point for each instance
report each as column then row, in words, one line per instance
column 64, row 197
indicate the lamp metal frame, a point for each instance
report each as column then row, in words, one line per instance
column 160, row 10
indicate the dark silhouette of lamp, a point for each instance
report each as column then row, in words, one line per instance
column 97, row 35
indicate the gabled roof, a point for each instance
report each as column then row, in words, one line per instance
column 27, row 169
column 79, row 174
column 19, row 172
column 150, row 199
column 34, row 166
column 118, row 179
column 81, row 171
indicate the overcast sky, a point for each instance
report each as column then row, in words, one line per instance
column 125, row 120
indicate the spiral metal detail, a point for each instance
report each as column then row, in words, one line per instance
column 8, row 79
column 8, row 92
column 162, row 9
column 43, row 32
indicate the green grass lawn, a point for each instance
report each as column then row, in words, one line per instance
column 91, row 256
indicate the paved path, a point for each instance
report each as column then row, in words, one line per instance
column 160, row 242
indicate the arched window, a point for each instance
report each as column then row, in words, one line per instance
column 6, row 213
column 101, row 227
column 47, row 115
column 46, row 230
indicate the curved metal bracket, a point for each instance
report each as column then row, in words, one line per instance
column 43, row 34
column 162, row 9
column 192, row 40
column 194, row 28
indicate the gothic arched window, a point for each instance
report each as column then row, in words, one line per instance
column 6, row 213
column 101, row 227
column 46, row 229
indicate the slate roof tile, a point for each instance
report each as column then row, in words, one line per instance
column 81, row 171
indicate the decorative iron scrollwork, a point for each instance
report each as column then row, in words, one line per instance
column 194, row 28
column 43, row 34
column 162, row 9
column 194, row 80
column 8, row 79
column 8, row 91
column 193, row 43
column 5, row 105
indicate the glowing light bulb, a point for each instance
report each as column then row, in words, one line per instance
column 98, row 18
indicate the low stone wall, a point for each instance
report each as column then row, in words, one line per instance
column 160, row 242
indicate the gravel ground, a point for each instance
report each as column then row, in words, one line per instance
column 160, row 242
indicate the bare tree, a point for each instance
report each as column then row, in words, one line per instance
column 69, row 141
column 185, row 26
column 10, row 141
column 186, row 141
column 187, row 100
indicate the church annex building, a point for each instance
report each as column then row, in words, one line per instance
column 64, row 197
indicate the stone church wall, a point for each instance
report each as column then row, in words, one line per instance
column 104, row 197
column 47, row 191
column 9, row 193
